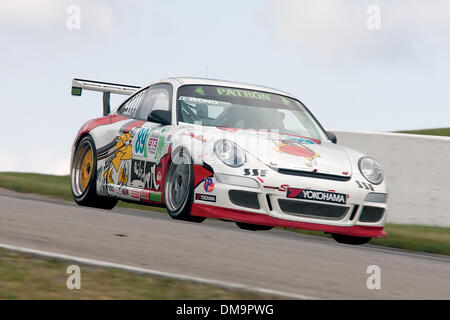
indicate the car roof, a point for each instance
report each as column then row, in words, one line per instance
column 225, row 83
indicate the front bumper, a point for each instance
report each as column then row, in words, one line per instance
column 209, row 211
column 271, row 197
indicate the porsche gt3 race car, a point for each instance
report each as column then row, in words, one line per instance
column 237, row 152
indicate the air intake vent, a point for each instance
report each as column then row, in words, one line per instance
column 312, row 210
column 371, row 214
column 311, row 174
column 244, row 199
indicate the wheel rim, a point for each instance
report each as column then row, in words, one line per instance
column 178, row 185
column 82, row 168
column 86, row 169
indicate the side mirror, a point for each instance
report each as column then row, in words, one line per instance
column 163, row 117
column 332, row 136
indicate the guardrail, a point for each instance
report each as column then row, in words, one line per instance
column 417, row 171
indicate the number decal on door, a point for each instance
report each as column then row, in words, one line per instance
column 141, row 142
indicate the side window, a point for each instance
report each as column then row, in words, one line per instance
column 157, row 97
column 129, row 108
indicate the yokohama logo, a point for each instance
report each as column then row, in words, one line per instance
column 205, row 197
column 317, row 195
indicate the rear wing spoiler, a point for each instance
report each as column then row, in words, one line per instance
column 78, row 85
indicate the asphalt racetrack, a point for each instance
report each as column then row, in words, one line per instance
column 277, row 260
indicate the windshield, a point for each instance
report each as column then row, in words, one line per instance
column 245, row 109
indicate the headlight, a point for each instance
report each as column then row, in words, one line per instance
column 371, row 170
column 229, row 153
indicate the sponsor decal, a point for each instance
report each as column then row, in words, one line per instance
column 243, row 93
column 255, row 172
column 135, row 194
column 145, row 195
column 283, row 187
column 200, row 91
column 125, row 191
column 198, row 100
column 285, row 101
column 205, row 197
column 156, row 197
column 158, row 176
column 208, row 185
column 303, row 140
column 297, row 149
column 116, row 170
column 152, row 144
column 161, row 143
column 364, row 185
column 150, row 196
column 144, row 174
column 317, row 195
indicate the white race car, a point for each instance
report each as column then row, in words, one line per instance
column 237, row 152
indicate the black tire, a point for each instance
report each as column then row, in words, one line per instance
column 342, row 238
column 87, row 196
column 253, row 227
column 181, row 209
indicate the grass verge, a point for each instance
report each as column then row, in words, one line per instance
column 25, row 276
column 410, row 237
column 52, row 186
column 433, row 132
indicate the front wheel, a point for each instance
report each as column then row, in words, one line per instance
column 83, row 177
column 179, row 187
column 342, row 238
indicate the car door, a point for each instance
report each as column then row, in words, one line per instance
column 149, row 144
column 115, row 154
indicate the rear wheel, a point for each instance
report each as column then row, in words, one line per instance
column 252, row 227
column 83, row 177
column 342, row 238
column 179, row 187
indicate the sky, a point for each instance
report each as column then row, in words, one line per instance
column 376, row 65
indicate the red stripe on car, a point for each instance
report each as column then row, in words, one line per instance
column 209, row 211
column 97, row 122
column 200, row 173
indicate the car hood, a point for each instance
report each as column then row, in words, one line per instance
column 287, row 151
